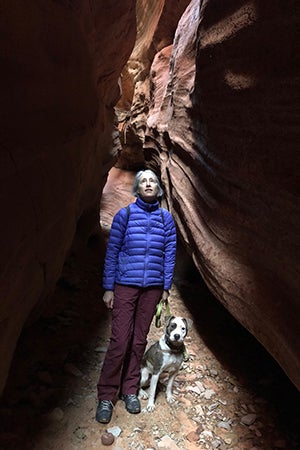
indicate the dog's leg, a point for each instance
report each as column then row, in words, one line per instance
column 153, row 384
column 144, row 381
column 143, row 394
column 169, row 394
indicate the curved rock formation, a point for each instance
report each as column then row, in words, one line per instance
column 60, row 68
column 218, row 118
column 156, row 25
column 223, row 128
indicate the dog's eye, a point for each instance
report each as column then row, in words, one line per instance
column 173, row 326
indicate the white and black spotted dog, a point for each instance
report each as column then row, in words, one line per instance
column 164, row 357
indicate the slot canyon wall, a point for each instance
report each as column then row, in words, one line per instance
column 223, row 127
column 61, row 63
column 212, row 104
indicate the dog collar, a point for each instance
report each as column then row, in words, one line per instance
column 175, row 348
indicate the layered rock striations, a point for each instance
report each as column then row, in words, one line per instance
column 60, row 68
column 156, row 26
column 218, row 118
column 223, row 128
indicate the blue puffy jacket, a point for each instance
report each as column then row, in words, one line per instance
column 141, row 249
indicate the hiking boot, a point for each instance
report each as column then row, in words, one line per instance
column 132, row 403
column 104, row 411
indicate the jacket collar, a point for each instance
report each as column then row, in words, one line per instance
column 147, row 206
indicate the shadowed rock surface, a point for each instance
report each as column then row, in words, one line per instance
column 61, row 62
column 214, row 108
column 222, row 127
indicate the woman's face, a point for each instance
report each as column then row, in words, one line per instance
column 148, row 187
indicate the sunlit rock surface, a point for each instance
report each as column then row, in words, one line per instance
column 218, row 117
column 156, row 25
column 224, row 129
column 60, row 68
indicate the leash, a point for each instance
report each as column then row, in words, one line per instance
column 159, row 309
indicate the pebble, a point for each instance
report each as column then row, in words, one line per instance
column 193, row 436
column 225, row 425
column 80, row 434
column 199, row 410
column 206, row 434
column 208, row 394
column 249, row 419
column 107, row 438
column 194, row 389
column 167, row 443
column 200, row 386
column 213, row 406
column 115, row 431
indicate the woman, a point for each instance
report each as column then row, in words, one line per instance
column 138, row 272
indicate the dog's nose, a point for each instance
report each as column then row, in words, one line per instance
column 176, row 337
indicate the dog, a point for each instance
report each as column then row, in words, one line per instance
column 164, row 357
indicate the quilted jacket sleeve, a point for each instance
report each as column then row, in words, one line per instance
column 170, row 249
column 114, row 245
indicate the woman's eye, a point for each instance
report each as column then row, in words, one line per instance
column 145, row 181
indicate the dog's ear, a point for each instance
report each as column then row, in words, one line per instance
column 189, row 323
column 168, row 320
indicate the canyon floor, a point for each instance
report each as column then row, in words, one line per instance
column 230, row 393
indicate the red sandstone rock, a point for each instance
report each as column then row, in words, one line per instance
column 156, row 25
column 223, row 130
column 59, row 83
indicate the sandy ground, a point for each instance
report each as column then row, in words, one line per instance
column 230, row 394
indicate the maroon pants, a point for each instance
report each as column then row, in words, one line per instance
column 132, row 315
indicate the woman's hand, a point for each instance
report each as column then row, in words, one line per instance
column 108, row 298
column 165, row 296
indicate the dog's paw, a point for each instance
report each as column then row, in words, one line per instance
column 143, row 394
column 150, row 407
column 171, row 399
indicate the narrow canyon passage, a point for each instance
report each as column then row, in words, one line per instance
column 204, row 93
column 231, row 394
